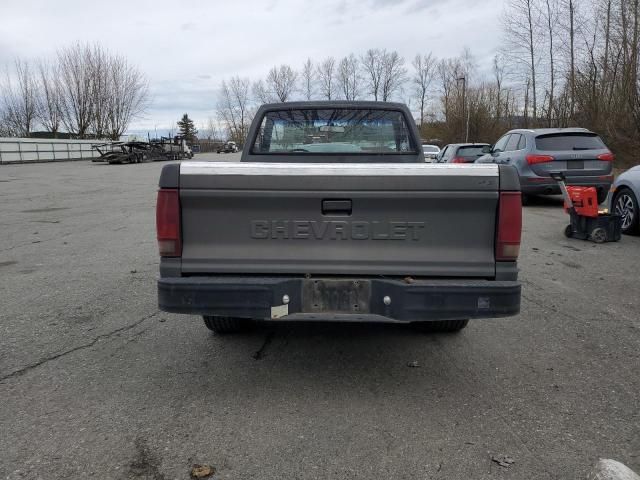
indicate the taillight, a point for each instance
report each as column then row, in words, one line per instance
column 533, row 159
column 458, row 160
column 509, row 226
column 607, row 157
column 168, row 223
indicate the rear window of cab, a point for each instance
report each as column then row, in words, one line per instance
column 569, row 141
column 349, row 131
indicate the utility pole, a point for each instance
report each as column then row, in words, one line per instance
column 465, row 108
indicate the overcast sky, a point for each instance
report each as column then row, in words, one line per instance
column 186, row 48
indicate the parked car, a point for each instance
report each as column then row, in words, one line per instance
column 430, row 152
column 625, row 193
column 462, row 152
column 228, row 147
column 578, row 152
column 318, row 223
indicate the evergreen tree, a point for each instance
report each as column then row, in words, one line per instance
column 186, row 128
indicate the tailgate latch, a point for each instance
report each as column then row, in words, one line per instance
column 337, row 207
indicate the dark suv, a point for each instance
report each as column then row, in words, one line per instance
column 578, row 152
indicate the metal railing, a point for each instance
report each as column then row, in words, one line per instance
column 28, row 150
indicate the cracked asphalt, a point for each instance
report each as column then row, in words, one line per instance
column 96, row 382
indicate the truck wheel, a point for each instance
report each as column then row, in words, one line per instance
column 441, row 326
column 225, row 324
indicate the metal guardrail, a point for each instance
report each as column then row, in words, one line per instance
column 32, row 150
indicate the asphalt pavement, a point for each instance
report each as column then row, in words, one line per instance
column 96, row 382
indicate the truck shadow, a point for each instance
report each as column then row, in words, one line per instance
column 343, row 335
column 339, row 357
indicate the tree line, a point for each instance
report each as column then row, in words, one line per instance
column 575, row 63
column 378, row 74
column 562, row 63
column 86, row 91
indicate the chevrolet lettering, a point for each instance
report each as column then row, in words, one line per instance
column 335, row 230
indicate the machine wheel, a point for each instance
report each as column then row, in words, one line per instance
column 598, row 235
column 568, row 231
column 225, row 324
column 441, row 326
column 526, row 199
column 625, row 204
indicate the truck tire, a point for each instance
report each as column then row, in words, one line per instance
column 441, row 326
column 225, row 324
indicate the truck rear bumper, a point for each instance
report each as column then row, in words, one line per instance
column 377, row 299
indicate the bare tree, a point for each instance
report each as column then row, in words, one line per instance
column 373, row 65
column 212, row 131
column 520, row 25
column 393, row 75
column 326, row 77
column 76, row 88
column 450, row 72
column 260, row 93
column 308, row 80
column 6, row 129
column 424, row 70
column 498, row 75
column 572, row 54
column 348, row 77
column 233, row 108
column 99, row 65
column 100, row 92
column 129, row 95
column 550, row 16
column 281, row 81
column 20, row 99
column 49, row 98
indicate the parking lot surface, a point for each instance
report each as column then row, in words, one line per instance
column 96, row 382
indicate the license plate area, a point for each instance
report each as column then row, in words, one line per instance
column 575, row 165
column 336, row 296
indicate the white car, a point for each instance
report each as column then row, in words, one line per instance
column 624, row 200
column 430, row 152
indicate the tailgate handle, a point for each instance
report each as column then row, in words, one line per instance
column 336, row 207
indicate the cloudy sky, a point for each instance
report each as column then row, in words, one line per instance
column 186, row 48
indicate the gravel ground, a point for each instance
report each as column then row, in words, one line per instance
column 95, row 381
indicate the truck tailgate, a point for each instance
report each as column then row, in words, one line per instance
column 334, row 219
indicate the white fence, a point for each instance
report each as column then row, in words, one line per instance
column 26, row 150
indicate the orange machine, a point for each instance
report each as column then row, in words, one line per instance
column 584, row 199
column 581, row 203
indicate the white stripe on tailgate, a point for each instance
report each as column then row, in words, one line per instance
column 344, row 169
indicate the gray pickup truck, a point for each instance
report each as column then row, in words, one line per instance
column 333, row 215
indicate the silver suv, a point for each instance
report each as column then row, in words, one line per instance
column 578, row 152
